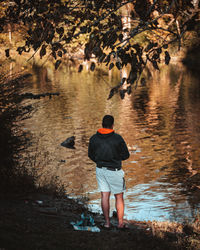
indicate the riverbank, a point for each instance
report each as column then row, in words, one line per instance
column 41, row 221
column 37, row 220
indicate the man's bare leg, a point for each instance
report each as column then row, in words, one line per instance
column 105, row 205
column 119, row 202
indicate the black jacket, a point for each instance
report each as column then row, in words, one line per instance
column 107, row 150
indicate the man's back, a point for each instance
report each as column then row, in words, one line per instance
column 107, row 148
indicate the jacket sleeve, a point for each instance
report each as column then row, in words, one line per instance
column 91, row 151
column 124, row 151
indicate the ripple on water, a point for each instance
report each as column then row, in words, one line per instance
column 160, row 123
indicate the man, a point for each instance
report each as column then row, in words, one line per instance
column 107, row 149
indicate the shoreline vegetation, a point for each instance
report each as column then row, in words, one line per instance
column 187, row 53
column 39, row 217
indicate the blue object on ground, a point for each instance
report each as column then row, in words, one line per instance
column 85, row 224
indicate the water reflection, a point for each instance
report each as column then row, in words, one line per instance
column 159, row 122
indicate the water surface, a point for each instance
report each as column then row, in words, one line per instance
column 159, row 122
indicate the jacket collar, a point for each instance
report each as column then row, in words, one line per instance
column 105, row 131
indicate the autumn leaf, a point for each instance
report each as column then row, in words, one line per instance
column 60, row 31
column 42, row 51
column 111, row 94
column 155, row 56
column 83, row 29
column 20, row 50
column 167, row 58
column 92, row 67
column 54, row 54
column 143, row 81
column 123, row 81
column 155, row 65
column 101, row 58
column 119, row 66
column 80, row 68
column 7, row 51
column 59, row 53
column 150, row 46
column 132, row 77
column 107, row 59
column 129, row 90
column 113, row 91
column 111, row 66
column 121, row 36
column 159, row 50
column 57, row 64
column 122, row 93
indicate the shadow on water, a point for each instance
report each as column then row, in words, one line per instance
column 13, row 140
column 17, row 170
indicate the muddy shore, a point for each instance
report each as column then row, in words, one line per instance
column 41, row 221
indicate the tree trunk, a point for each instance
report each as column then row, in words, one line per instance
column 126, row 18
column 126, row 24
column 195, row 3
column 10, row 32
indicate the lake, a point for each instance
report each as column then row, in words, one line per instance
column 159, row 122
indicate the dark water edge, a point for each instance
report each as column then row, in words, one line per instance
column 17, row 174
column 192, row 59
column 12, row 139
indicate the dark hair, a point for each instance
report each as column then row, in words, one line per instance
column 108, row 121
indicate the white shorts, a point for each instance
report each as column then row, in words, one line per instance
column 110, row 181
